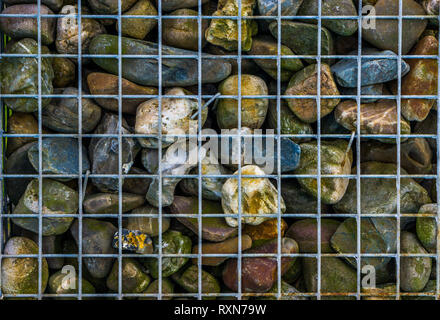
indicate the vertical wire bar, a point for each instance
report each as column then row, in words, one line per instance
column 120, row 262
column 437, row 181
column 318, row 128
column 40, row 164
column 80, row 170
column 239, row 20
column 4, row 197
column 278, row 128
column 159, row 100
column 399, row 88
column 199, row 145
column 358, row 155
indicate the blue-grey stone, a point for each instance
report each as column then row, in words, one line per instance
column 60, row 156
column 270, row 7
column 370, row 90
column 290, row 155
column 373, row 70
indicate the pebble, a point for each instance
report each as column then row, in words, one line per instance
column 258, row 274
column 385, row 34
column 373, row 70
column 253, row 111
column 224, row 32
column 97, row 236
column 19, row 75
column 302, row 38
column 304, row 82
column 57, row 198
column 133, row 240
column 20, row 275
column 421, row 80
column 229, row 246
column 414, row 271
column 175, row 72
column 377, row 118
column 100, row 83
column 173, row 242
column 213, row 228
column 138, row 28
column 335, row 160
column 20, row 27
column 60, row 156
column 67, row 40
column 183, row 32
column 134, row 280
column 259, row 197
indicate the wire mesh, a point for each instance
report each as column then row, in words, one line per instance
column 82, row 179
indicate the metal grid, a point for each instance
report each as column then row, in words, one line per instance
column 82, row 178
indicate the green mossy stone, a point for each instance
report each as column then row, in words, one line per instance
column 224, row 32
column 103, row 203
column 20, row 275
column 134, row 280
column 153, row 288
column 175, row 71
column 384, row 199
column 378, row 236
column 414, row 271
column 336, row 276
column 64, row 72
column 294, row 272
column 173, row 242
column 138, row 28
column 332, row 8
column 58, row 285
column 188, row 279
column 426, row 227
column 97, row 237
column 19, row 75
column 334, row 160
column 253, row 110
column 302, row 38
column 213, row 228
column 57, row 199
column 431, row 287
column 289, row 122
column 266, row 45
